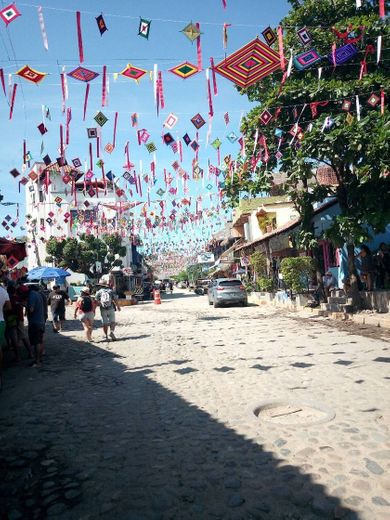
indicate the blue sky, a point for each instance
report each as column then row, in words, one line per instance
column 21, row 43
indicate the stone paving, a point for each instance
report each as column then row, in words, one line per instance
column 161, row 424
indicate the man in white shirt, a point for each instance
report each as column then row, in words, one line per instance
column 4, row 305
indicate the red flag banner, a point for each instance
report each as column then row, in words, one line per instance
column 79, row 36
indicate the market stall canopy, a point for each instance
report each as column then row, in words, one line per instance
column 46, row 273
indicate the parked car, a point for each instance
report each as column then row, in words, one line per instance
column 224, row 291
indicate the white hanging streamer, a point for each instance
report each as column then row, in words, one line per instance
column 358, row 4
column 319, row 73
column 357, row 108
column 256, row 139
column 65, row 83
column 290, row 63
column 155, row 74
column 379, row 49
column 42, row 26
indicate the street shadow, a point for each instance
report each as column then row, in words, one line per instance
column 87, row 438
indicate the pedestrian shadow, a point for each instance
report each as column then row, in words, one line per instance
column 96, row 440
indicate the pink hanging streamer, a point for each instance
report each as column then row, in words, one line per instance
column 86, row 100
column 225, row 35
column 382, row 102
column 210, row 98
column 68, row 120
column 79, row 36
column 214, row 76
column 104, row 86
column 115, row 125
column 63, row 89
column 2, row 81
column 382, row 9
column 11, row 108
column 224, row 3
column 62, row 141
column 181, row 151
column 281, row 51
column 90, row 157
column 161, row 90
column 199, row 48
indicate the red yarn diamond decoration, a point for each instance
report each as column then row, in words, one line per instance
column 249, row 64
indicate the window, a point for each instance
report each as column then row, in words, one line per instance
column 230, row 283
column 42, row 222
column 41, row 197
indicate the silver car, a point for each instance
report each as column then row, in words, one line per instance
column 224, row 291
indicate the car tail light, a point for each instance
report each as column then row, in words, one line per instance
column 241, row 287
column 220, row 288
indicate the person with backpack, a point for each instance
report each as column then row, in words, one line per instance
column 86, row 309
column 108, row 302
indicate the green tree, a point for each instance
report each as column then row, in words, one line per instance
column 258, row 261
column 297, row 272
column 356, row 151
column 81, row 254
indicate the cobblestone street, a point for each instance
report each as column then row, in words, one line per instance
column 161, row 424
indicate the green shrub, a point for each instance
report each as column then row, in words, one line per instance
column 265, row 284
column 259, row 263
column 296, row 272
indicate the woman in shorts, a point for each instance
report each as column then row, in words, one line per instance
column 85, row 308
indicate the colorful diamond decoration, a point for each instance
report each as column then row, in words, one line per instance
column 191, row 31
column 186, row 139
column 304, row 36
column 9, row 14
column 101, row 24
column 14, row 172
column 160, row 192
column 83, row 74
column 249, row 64
column 76, row 162
column 185, row 70
column 31, row 74
column 198, row 121
column 168, row 139
column 346, row 105
column 171, row 121
column 209, row 187
column 269, row 36
column 133, row 72
column 195, row 146
column 306, row 59
column 92, row 133
column 101, row 119
column 216, row 143
column 373, row 100
column 265, row 117
column 144, row 28
column 32, row 176
column 42, row 128
column 232, row 137
column 109, row 148
column 151, row 147
column 278, row 155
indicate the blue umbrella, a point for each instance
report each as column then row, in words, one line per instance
column 46, row 273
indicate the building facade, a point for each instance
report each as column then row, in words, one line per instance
column 62, row 203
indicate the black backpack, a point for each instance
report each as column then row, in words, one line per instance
column 86, row 304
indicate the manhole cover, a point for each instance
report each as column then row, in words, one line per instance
column 293, row 413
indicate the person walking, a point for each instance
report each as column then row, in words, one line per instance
column 36, row 322
column 108, row 302
column 85, row 307
column 57, row 300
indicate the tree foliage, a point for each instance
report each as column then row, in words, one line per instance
column 297, row 272
column 357, row 151
column 81, row 254
column 259, row 263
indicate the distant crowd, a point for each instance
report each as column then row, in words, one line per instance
column 20, row 300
